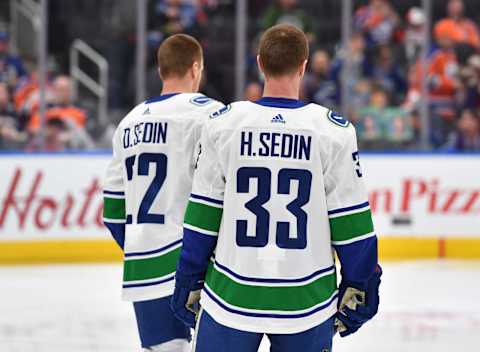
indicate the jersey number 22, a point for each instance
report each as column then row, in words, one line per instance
column 144, row 160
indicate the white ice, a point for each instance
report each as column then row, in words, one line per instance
column 425, row 306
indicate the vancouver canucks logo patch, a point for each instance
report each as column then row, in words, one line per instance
column 220, row 112
column 337, row 119
column 278, row 119
column 200, row 100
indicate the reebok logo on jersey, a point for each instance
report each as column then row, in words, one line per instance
column 278, row 119
column 147, row 112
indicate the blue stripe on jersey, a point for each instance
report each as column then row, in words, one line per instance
column 113, row 193
column 273, row 281
column 286, row 103
column 358, row 259
column 353, row 207
column 211, row 200
column 152, row 283
column 269, row 315
column 160, row 98
column 132, row 254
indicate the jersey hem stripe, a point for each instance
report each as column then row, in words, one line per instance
column 154, row 251
column 353, row 207
column 210, row 200
column 273, row 281
column 143, row 257
column 285, row 315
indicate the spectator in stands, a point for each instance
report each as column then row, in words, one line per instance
column 289, row 11
column 370, row 120
column 62, row 106
column 470, row 76
column 253, row 91
column 466, row 137
column 10, row 136
column 383, row 125
column 386, row 72
column 359, row 69
column 414, row 93
column 318, row 87
column 463, row 29
column 27, row 95
column 378, row 21
column 444, row 82
column 174, row 16
column 6, row 106
column 11, row 66
column 60, row 135
column 414, row 34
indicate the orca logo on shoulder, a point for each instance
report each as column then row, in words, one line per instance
column 337, row 119
column 220, row 112
column 200, row 100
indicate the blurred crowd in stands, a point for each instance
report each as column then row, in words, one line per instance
column 387, row 75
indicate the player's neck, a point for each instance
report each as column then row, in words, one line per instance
column 177, row 86
column 284, row 87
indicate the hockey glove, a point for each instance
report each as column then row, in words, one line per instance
column 357, row 305
column 186, row 297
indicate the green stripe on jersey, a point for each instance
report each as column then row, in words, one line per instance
column 203, row 216
column 113, row 208
column 271, row 298
column 347, row 227
column 151, row 268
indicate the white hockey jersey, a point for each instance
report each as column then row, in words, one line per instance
column 279, row 182
column 147, row 186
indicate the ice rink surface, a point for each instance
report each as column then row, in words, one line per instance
column 425, row 306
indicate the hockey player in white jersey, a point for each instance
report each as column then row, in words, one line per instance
column 277, row 186
column 147, row 186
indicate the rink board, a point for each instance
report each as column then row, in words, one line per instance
column 424, row 206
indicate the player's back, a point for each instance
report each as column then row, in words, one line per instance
column 274, row 257
column 155, row 149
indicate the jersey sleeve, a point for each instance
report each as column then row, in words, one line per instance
column 204, row 211
column 114, row 216
column 351, row 225
column 198, row 125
